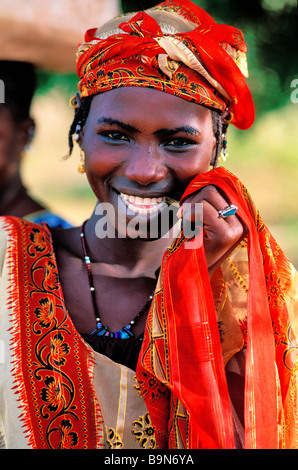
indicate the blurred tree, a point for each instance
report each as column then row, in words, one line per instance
column 66, row 84
column 270, row 31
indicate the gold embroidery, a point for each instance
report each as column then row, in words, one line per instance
column 144, row 432
column 113, row 439
column 237, row 275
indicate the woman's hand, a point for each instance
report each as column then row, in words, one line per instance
column 220, row 235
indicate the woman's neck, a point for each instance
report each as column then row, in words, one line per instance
column 126, row 256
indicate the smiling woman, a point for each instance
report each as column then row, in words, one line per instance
column 127, row 338
column 150, row 158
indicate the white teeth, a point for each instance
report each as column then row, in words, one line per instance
column 134, row 203
column 138, row 200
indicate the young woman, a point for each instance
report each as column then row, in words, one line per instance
column 135, row 331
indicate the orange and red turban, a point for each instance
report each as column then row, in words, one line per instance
column 175, row 47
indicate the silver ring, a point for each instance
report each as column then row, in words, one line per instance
column 230, row 210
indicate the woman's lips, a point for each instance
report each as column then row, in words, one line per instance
column 143, row 206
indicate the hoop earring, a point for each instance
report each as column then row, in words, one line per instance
column 74, row 101
column 81, row 166
column 229, row 118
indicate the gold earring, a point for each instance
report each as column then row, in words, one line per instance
column 81, row 166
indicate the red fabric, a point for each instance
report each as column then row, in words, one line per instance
column 104, row 64
column 184, row 351
column 52, row 366
column 261, row 393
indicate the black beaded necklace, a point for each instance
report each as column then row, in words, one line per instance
column 101, row 330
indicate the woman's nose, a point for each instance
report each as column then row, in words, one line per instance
column 145, row 166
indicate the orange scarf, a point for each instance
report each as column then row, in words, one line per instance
column 181, row 370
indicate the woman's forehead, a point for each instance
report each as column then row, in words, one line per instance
column 146, row 101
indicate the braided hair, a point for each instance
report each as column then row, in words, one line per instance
column 80, row 117
column 220, row 127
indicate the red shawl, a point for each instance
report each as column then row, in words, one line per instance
column 181, row 369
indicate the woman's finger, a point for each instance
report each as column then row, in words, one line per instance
column 220, row 234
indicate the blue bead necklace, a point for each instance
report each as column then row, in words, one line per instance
column 101, row 330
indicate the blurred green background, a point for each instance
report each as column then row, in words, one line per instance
column 264, row 157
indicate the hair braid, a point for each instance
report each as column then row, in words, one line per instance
column 81, row 114
column 219, row 127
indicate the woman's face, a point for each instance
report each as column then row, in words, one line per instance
column 142, row 146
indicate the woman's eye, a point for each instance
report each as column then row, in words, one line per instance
column 179, row 143
column 114, row 136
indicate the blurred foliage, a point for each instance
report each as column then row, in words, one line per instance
column 270, row 31
column 64, row 83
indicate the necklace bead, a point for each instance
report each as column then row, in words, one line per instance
column 102, row 330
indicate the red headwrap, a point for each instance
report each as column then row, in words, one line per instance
column 175, row 47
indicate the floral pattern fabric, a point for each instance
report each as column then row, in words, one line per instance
column 51, row 381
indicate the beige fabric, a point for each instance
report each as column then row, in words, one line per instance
column 47, row 32
column 125, row 414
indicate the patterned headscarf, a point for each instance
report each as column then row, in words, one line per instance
column 175, row 47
